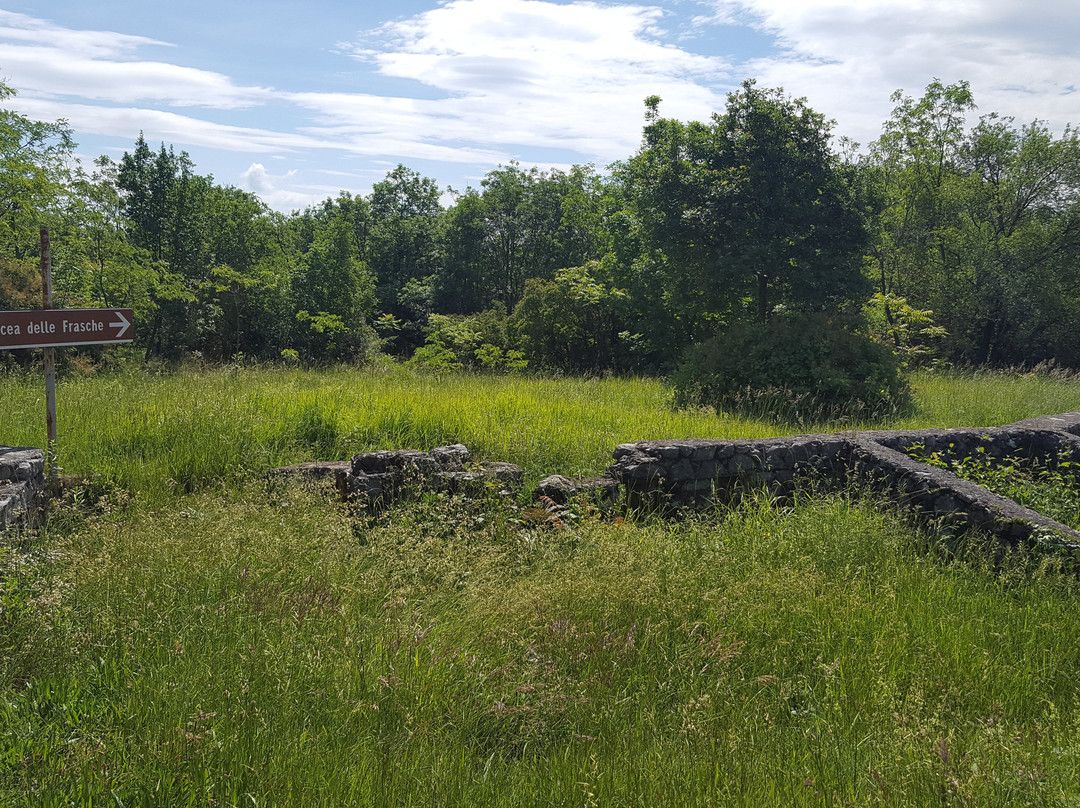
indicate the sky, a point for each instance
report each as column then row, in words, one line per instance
column 297, row 101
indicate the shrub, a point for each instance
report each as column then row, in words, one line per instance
column 477, row 341
column 797, row 367
column 575, row 322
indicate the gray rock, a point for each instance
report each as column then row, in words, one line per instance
column 562, row 489
column 451, row 457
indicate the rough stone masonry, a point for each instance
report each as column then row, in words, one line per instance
column 22, row 485
column 700, row 473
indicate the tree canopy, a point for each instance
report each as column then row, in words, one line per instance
column 956, row 238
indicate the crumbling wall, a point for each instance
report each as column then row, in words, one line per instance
column 700, row 473
column 382, row 477
column 22, row 486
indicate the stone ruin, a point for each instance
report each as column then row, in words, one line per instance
column 698, row 474
column 375, row 478
column 22, row 486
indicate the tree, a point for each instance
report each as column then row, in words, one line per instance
column 94, row 260
column 33, row 170
column 789, row 213
column 249, row 280
column 576, row 321
column 333, row 293
column 522, row 217
column 739, row 217
column 464, row 285
column 404, row 234
column 915, row 174
column 981, row 226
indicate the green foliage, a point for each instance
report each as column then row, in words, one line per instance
column 750, row 214
column 753, row 207
column 577, row 321
column 479, row 341
column 911, row 333
column 1048, row 488
column 979, row 225
column 34, row 157
column 802, row 368
column 403, row 244
column 803, row 655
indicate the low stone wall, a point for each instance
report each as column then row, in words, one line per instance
column 22, row 486
column 700, row 473
column 380, row 477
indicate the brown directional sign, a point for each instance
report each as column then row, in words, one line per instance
column 55, row 328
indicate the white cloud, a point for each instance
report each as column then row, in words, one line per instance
column 513, row 76
column 45, row 59
column 527, row 73
column 168, row 126
column 90, row 44
column 282, row 191
column 848, row 56
column 472, row 83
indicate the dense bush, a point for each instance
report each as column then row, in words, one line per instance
column 575, row 322
column 478, row 341
column 796, row 367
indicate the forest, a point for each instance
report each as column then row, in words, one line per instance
column 708, row 255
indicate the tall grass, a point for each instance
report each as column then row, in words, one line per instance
column 235, row 651
column 197, row 639
column 188, row 429
column 158, row 433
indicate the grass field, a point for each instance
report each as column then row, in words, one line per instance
column 158, row 434
column 183, row 636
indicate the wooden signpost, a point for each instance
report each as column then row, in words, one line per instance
column 51, row 328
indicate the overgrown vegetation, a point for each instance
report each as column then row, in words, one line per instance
column 799, row 369
column 180, row 633
column 1049, row 488
column 958, row 242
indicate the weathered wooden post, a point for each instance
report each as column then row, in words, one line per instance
column 52, row 460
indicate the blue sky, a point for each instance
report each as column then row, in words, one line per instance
column 296, row 101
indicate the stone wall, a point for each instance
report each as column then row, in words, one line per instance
column 22, row 486
column 700, row 473
column 696, row 474
column 377, row 478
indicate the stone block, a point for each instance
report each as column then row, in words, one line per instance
column 561, row 489
column 682, row 470
column 451, row 457
column 703, row 454
column 394, row 460
column 666, row 451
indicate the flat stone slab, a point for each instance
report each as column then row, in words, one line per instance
column 560, row 489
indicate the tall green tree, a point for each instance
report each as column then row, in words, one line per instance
column 981, row 226
column 34, row 159
column 249, row 275
column 404, row 235
column 331, row 288
column 788, row 212
column 739, row 216
column 95, row 262
column 464, row 285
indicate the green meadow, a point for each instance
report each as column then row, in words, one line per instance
column 181, row 633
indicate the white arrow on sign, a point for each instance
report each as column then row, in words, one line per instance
column 123, row 325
